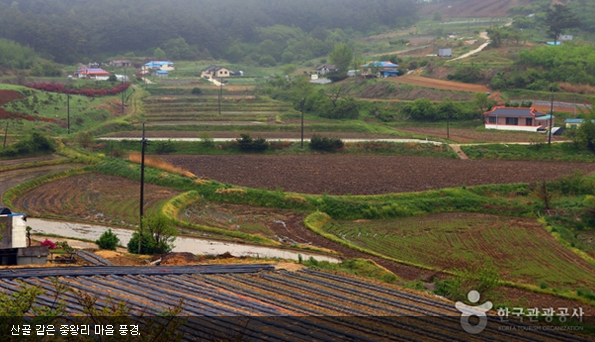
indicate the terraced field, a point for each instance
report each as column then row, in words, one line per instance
column 350, row 174
column 520, row 249
column 95, row 197
column 264, row 304
column 266, row 222
column 186, row 109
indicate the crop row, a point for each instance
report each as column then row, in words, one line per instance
column 522, row 250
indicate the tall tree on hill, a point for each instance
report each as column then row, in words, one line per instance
column 559, row 18
column 341, row 56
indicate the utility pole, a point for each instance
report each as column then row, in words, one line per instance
column 303, row 102
column 68, row 108
column 5, row 133
column 122, row 94
column 142, row 187
column 220, row 92
column 549, row 140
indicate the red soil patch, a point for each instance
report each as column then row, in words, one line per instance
column 440, row 84
column 9, row 95
column 4, row 114
column 340, row 175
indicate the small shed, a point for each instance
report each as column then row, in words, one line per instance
column 160, row 73
column 444, row 52
column 574, row 123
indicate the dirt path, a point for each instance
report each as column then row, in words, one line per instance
column 483, row 35
column 438, row 83
column 458, row 151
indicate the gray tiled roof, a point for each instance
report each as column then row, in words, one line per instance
column 516, row 112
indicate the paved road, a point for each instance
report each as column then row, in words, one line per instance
column 292, row 140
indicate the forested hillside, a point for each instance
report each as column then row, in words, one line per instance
column 72, row 30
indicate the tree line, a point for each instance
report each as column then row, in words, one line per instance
column 75, row 30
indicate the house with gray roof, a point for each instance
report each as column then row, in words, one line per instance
column 516, row 119
column 214, row 71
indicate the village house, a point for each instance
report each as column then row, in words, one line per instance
column 385, row 69
column 214, row 71
column 574, row 123
column 160, row 73
column 161, row 65
column 325, row 69
column 92, row 73
column 120, row 63
column 516, row 119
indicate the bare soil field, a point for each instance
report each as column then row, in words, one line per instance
column 468, row 135
column 341, row 175
column 94, row 197
column 472, row 8
column 9, row 179
column 440, row 84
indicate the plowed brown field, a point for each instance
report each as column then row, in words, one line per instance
column 95, row 197
column 440, row 84
column 339, row 175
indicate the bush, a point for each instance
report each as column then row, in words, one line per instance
column 321, row 143
column 164, row 147
column 108, row 240
column 35, row 143
column 158, row 235
column 196, row 91
column 49, row 243
column 206, row 140
column 247, row 143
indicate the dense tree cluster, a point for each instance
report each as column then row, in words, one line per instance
column 538, row 69
column 272, row 30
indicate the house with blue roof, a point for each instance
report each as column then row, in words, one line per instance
column 385, row 69
column 160, row 73
column 574, row 123
column 163, row 65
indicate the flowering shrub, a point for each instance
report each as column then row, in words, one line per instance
column 47, row 242
column 58, row 88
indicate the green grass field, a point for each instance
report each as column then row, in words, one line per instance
column 521, row 249
column 543, row 152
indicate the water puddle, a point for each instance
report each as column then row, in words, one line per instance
column 183, row 244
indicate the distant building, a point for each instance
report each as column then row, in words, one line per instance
column 215, row 71
column 516, row 119
column 325, row 69
column 444, row 52
column 160, row 73
column 564, row 37
column 122, row 78
column 120, row 63
column 93, row 73
column 162, row 65
column 385, row 69
column 574, row 123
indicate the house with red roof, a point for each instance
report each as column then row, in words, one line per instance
column 516, row 119
column 92, row 73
